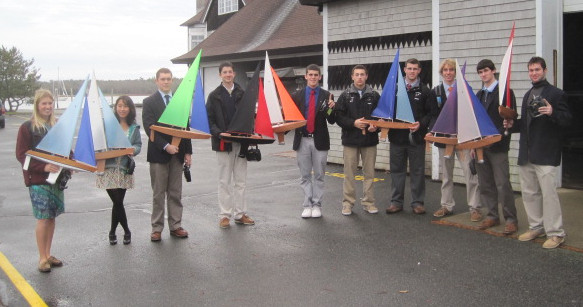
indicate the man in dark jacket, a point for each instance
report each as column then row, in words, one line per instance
column 359, row 138
column 166, row 162
column 221, row 106
column 312, row 141
column 410, row 145
column 493, row 173
column 544, row 115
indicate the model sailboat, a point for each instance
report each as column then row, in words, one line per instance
column 245, row 127
column 394, row 108
column 188, row 97
column 109, row 140
column 505, row 108
column 285, row 116
column 463, row 122
column 56, row 145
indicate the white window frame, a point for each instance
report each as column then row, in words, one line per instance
column 228, row 6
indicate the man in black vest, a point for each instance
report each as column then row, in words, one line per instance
column 494, row 174
column 312, row 141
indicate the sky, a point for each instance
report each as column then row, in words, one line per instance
column 119, row 40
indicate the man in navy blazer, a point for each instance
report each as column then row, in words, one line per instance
column 312, row 141
column 544, row 115
column 166, row 162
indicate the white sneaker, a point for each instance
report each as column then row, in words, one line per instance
column 316, row 212
column 307, row 213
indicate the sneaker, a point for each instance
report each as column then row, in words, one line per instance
column 346, row 210
column 316, row 212
column 307, row 213
column 553, row 242
column 531, row 235
column 443, row 211
column 224, row 223
column 475, row 215
column 245, row 220
column 372, row 209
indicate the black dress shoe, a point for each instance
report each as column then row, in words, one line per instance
column 112, row 239
column 127, row 238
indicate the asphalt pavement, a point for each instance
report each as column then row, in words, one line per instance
column 284, row 260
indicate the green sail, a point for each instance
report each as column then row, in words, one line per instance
column 178, row 110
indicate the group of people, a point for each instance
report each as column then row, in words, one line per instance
column 539, row 126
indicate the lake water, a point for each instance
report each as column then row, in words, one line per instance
column 64, row 102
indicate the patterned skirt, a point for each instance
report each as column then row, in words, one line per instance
column 48, row 201
column 114, row 178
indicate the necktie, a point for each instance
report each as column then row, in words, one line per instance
column 408, row 87
column 167, row 99
column 311, row 112
column 484, row 96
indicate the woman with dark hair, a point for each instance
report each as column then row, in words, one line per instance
column 48, row 201
column 116, row 179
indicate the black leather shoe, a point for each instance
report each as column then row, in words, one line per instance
column 127, row 238
column 112, row 239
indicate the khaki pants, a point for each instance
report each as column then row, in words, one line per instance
column 540, row 198
column 351, row 156
column 166, row 180
column 232, row 182
column 472, row 190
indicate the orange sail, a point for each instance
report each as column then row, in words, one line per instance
column 290, row 110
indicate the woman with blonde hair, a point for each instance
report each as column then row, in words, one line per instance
column 47, row 200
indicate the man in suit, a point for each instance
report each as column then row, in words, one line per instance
column 494, row 174
column 544, row 115
column 438, row 97
column 409, row 145
column 221, row 106
column 166, row 162
column 312, row 141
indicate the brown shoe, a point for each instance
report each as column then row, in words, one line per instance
column 510, row 228
column 443, row 211
column 245, row 220
column 155, row 236
column 224, row 223
column 54, row 262
column 487, row 223
column 179, row 233
column 419, row 209
column 394, row 209
column 44, row 267
column 475, row 215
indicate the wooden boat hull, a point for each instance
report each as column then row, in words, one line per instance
column 483, row 142
column 441, row 139
column 389, row 124
column 178, row 134
column 101, row 156
column 61, row 161
column 507, row 113
column 281, row 129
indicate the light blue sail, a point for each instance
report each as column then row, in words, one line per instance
column 198, row 118
column 114, row 134
column 404, row 111
column 59, row 140
column 84, row 147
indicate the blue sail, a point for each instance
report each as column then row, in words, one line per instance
column 59, row 139
column 404, row 111
column 84, row 148
column 484, row 122
column 199, row 118
column 114, row 134
column 386, row 106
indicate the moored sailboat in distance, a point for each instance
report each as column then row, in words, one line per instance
column 283, row 112
column 463, row 122
column 56, row 145
column 174, row 120
column 394, row 108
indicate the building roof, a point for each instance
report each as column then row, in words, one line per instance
column 279, row 26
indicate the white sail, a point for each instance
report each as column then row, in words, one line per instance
column 467, row 125
column 505, row 70
column 96, row 117
column 271, row 94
